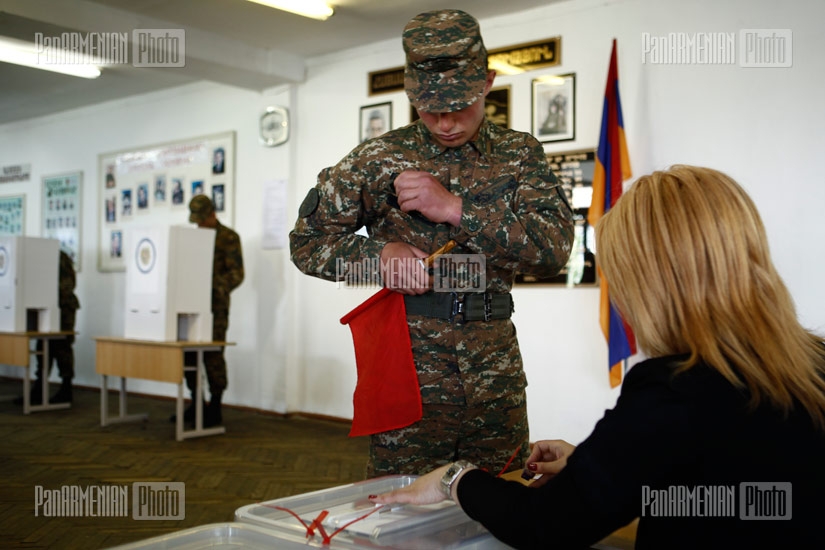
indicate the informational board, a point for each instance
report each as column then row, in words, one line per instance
column 152, row 186
column 61, row 212
column 12, row 215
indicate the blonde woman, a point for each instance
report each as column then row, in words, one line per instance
column 717, row 440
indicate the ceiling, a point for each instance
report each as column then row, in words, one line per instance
column 229, row 41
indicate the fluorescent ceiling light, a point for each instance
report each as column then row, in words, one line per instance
column 316, row 9
column 24, row 53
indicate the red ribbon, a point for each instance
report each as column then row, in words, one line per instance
column 317, row 522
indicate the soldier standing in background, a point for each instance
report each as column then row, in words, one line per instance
column 227, row 275
column 60, row 349
column 451, row 175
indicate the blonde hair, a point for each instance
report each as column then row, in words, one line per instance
column 686, row 257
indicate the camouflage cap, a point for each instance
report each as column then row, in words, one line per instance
column 446, row 67
column 200, row 207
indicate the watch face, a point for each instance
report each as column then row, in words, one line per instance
column 274, row 126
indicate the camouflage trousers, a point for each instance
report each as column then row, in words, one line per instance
column 60, row 349
column 213, row 361
column 488, row 435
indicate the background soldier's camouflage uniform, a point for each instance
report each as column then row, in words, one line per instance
column 227, row 274
column 60, row 349
column 514, row 212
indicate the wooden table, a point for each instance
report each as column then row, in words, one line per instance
column 158, row 361
column 16, row 351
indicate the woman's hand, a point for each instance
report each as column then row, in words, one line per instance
column 424, row 490
column 549, row 457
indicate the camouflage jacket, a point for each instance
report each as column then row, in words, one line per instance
column 227, row 269
column 514, row 213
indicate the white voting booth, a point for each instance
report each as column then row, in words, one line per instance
column 169, row 283
column 29, row 273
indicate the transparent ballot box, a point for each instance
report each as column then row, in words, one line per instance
column 216, row 535
column 343, row 517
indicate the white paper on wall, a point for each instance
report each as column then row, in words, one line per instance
column 275, row 227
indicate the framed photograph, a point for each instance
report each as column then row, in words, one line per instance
column 497, row 106
column 554, row 107
column 61, row 212
column 375, row 120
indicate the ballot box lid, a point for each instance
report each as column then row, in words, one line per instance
column 358, row 523
column 216, row 535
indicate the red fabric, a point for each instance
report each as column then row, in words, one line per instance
column 386, row 396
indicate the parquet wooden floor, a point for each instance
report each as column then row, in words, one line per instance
column 260, row 457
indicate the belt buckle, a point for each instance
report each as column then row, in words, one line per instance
column 488, row 306
column 457, row 307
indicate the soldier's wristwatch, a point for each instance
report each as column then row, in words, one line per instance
column 452, row 474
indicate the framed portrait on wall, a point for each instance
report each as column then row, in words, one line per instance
column 497, row 106
column 374, row 121
column 554, row 108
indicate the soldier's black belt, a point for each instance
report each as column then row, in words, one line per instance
column 461, row 307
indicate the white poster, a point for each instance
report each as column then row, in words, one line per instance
column 275, row 223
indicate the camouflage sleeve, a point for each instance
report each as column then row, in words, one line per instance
column 328, row 219
column 227, row 270
column 234, row 273
column 67, row 283
column 532, row 234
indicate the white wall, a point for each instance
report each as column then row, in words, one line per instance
column 73, row 140
column 763, row 126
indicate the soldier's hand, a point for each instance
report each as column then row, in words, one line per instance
column 403, row 270
column 421, row 192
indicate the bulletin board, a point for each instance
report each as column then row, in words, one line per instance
column 61, row 212
column 12, row 215
column 152, row 186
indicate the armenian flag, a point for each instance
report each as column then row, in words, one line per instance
column 612, row 168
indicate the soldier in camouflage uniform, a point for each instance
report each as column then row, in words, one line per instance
column 451, row 175
column 60, row 350
column 227, row 274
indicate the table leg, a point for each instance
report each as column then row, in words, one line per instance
column 179, row 412
column 122, row 416
column 27, row 392
column 44, row 374
column 199, row 391
column 44, row 385
column 104, row 400
column 199, row 430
